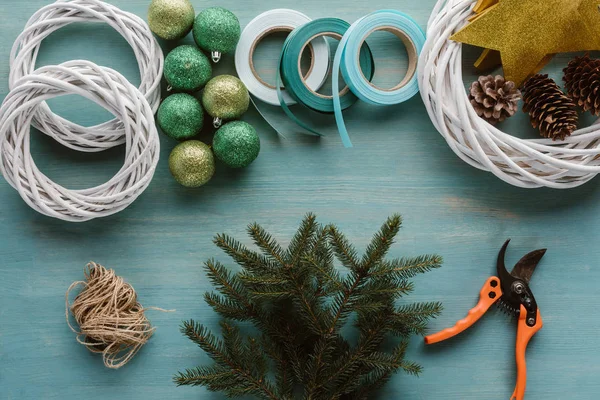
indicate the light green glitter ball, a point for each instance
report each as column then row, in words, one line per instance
column 192, row 163
column 236, row 144
column 225, row 97
column 217, row 30
column 180, row 116
column 171, row 19
column 187, row 69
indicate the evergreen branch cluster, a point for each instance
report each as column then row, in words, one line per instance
column 300, row 302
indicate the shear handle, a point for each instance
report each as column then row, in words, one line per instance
column 490, row 293
column 524, row 335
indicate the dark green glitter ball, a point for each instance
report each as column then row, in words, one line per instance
column 187, row 69
column 180, row 116
column 217, row 29
column 192, row 163
column 171, row 19
column 236, row 144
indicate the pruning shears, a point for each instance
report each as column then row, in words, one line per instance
column 512, row 293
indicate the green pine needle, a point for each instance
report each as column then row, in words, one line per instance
column 300, row 302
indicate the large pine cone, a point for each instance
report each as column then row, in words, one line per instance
column 550, row 110
column 582, row 81
column 494, row 98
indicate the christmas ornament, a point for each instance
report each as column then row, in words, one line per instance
column 490, row 59
column 550, row 110
column 180, row 116
column 192, row 163
column 525, row 32
column 225, row 98
column 236, row 144
column 111, row 91
column 171, row 19
column 303, row 310
column 116, row 328
column 217, row 31
column 134, row 30
column 582, row 81
column 187, row 69
column 494, row 98
column 527, row 163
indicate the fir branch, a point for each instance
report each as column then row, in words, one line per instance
column 226, row 283
column 343, row 250
column 213, row 377
column 329, row 277
column 267, row 243
column 300, row 303
column 229, row 308
column 406, row 268
column 382, row 241
column 345, row 368
column 249, row 260
column 376, row 378
column 245, row 382
column 412, row 319
column 302, row 240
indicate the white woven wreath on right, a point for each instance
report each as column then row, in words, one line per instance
column 527, row 163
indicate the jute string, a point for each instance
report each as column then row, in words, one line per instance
column 111, row 321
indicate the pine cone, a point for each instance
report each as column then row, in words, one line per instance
column 494, row 98
column 550, row 110
column 582, row 81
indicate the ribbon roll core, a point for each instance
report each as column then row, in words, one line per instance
column 277, row 29
column 346, row 62
column 411, row 50
column 267, row 23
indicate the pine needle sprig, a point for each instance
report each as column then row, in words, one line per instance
column 301, row 302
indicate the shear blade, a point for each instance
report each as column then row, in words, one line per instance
column 525, row 268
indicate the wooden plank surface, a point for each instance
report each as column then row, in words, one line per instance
column 399, row 164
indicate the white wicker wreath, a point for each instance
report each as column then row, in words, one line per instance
column 525, row 163
column 110, row 90
column 60, row 14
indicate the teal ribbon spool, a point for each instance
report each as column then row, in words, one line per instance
column 290, row 74
column 345, row 61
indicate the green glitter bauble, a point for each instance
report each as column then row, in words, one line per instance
column 187, row 69
column 192, row 163
column 217, row 30
column 236, row 144
column 171, row 19
column 180, row 116
column 225, row 97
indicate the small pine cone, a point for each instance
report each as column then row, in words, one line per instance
column 550, row 110
column 494, row 98
column 582, row 81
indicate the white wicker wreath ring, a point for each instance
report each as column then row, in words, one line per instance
column 64, row 12
column 525, row 163
column 110, row 90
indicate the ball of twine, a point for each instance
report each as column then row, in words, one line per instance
column 111, row 320
column 61, row 13
column 110, row 90
column 525, row 163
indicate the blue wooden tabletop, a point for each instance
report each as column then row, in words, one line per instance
column 399, row 164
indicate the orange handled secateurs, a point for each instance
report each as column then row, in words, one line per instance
column 511, row 291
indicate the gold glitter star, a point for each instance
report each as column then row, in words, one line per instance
column 525, row 32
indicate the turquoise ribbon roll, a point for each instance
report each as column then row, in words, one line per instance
column 290, row 74
column 346, row 62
